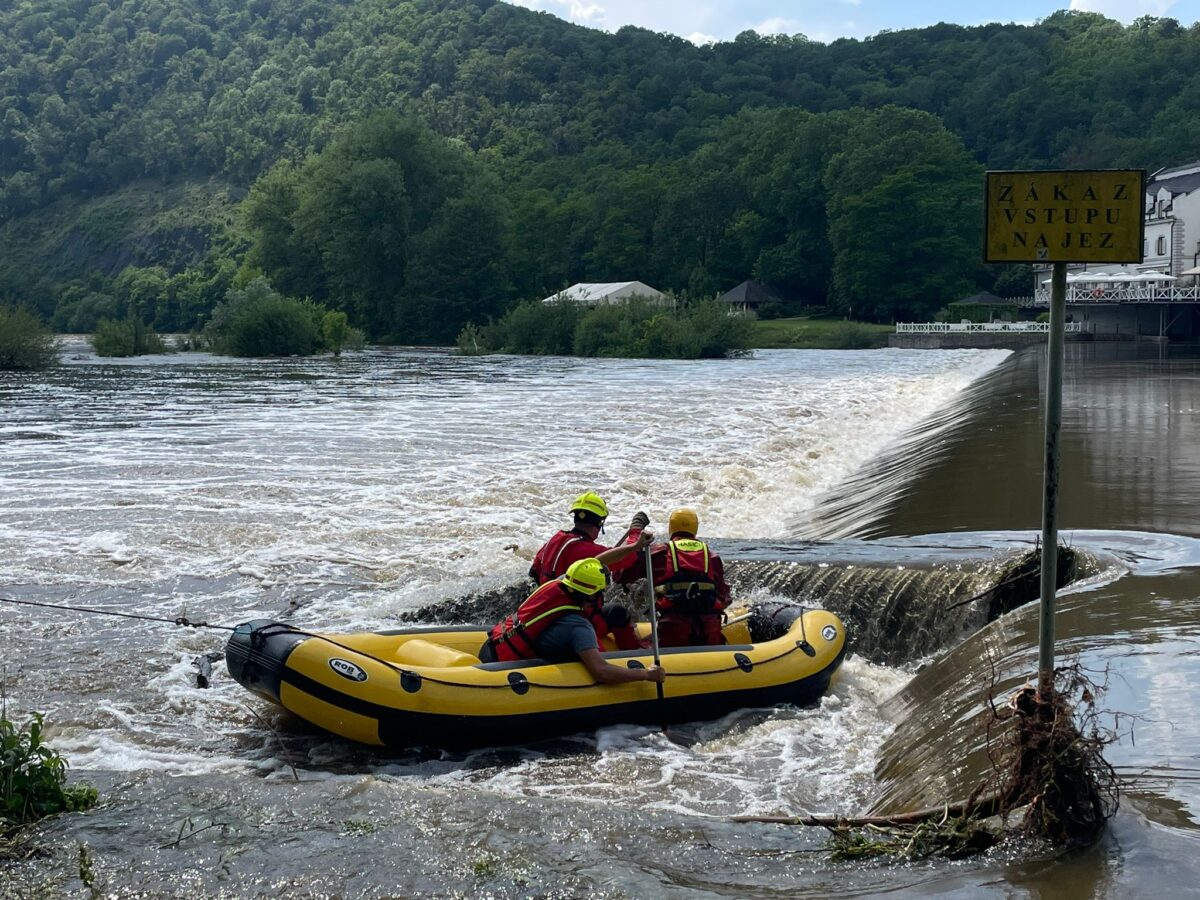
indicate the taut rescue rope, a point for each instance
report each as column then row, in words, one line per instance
column 183, row 621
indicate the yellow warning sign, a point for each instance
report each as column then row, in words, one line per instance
column 1067, row 216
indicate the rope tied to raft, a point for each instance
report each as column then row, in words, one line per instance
column 181, row 621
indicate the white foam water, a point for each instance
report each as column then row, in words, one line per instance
column 349, row 491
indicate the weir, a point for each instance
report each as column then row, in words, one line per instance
column 900, row 604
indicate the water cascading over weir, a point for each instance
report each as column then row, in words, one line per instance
column 901, row 600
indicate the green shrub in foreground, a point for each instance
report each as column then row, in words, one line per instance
column 24, row 341
column 33, row 777
column 128, row 337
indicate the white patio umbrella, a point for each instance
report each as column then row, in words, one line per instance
column 1195, row 270
column 1153, row 276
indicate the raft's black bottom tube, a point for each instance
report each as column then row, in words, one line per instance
column 257, row 653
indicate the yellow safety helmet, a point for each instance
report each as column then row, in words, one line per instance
column 587, row 576
column 683, row 521
column 590, row 502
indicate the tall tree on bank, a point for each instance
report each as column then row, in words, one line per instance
column 387, row 220
column 905, row 216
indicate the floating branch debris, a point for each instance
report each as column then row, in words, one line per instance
column 1049, row 781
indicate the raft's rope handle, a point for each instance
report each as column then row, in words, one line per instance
column 289, row 629
column 183, row 621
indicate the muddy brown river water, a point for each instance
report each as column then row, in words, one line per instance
column 345, row 494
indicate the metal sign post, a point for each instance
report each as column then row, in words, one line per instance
column 1054, row 379
column 1092, row 216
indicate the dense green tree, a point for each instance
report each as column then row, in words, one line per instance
column 905, row 216
column 458, row 270
column 386, row 219
column 130, row 130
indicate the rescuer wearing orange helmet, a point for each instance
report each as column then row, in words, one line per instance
column 561, row 622
column 589, row 511
column 689, row 585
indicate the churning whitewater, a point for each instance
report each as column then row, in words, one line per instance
column 340, row 494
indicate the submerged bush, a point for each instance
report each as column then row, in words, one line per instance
column 128, row 337
column 33, row 777
column 637, row 329
column 24, row 341
column 259, row 321
column 335, row 329
column 471, row 341
column 540, row 329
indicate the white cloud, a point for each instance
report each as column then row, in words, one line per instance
column 573, row 10
column 1124, row 10
column 700, row 39
column 778, row 25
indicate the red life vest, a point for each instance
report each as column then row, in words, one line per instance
column 548, row 561
column 514, row 638
column 686, row 585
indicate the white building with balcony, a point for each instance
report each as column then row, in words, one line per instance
column 1173, row 220
column 1158, row 298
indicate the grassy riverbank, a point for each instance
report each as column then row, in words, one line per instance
column 803, row 333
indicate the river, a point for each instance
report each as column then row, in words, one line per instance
column 345, row 494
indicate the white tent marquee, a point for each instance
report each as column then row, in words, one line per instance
column 604, row 294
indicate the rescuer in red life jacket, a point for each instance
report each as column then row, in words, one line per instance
column 560, row 622
column 689, row 586
column 589, row 512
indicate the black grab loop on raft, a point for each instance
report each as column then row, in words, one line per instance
column 744, row 662
column 518, row 682
column 809, row 649
column 410, row 681
column 635, row 664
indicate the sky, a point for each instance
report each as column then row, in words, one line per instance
column 828, row 20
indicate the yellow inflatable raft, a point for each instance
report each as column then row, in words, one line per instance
column 426, row 686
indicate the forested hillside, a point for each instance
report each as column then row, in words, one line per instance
column 421, row 164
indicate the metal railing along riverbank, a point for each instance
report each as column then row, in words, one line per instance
column 1123, row 293
column 980, row 327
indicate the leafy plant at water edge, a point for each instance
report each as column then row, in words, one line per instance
column 24, row 341
column 33, row 777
